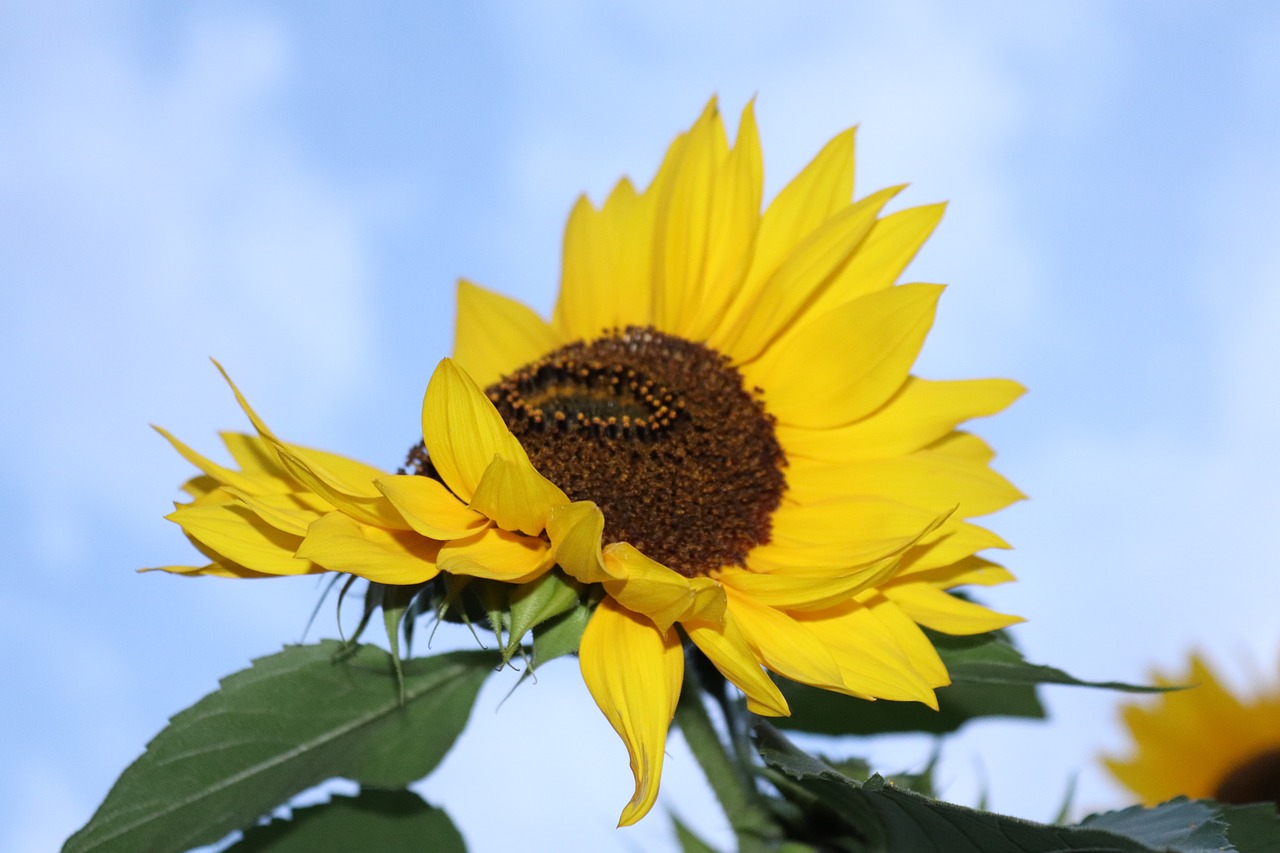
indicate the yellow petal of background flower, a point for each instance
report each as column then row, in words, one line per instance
column 935, row 609
column 921, row 412
column 342, row 544
column 462, row 430
column 497, row 555
column 728, row 650
column 644, row 586
column 233, row 531
column 634, row 672
column 430, row 508
column 516, row 496
column 495, row 334
column 575, row 531
column 784, row 299
column 844, row 364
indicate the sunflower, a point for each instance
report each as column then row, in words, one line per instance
column 717, row 432
column 1203, row 742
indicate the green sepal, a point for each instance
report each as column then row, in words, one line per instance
column 292, row 720
column 385, row 821
column 560, row 635
column 536, row 602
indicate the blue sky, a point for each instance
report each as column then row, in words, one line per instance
column 294, row 189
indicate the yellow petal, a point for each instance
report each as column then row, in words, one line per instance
column 494, row 335
column 607, row 258
column 954, row 541
column 233, row 531
column 462, row 430
column 289, row 513
column 430, row 508
column 732, row 222
column 935, row 609
column 927, row 479
column 212, row 570
column 784, row 645
column 801, row 589
column 841, row 534
column 516, row 496
column 881, row 258
column 575, row 531
column 342, row 544
column 358, row 498
column 783, row 302
column 257, row 483
column 871, row 661
column 634, row 672
column 253, row 454
column 682, row 235
column 844, row 364
column 970, row 570
column 921, row 412
column 726, row 648
column 645, row 586
column 497, row 555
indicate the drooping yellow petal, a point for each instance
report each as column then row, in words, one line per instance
column 782, row 304
column 921, row 412
column 634, row 672
column 233, row 531
column 844, row 364
column 462, row 430
column 941, row 611
column 784, row 645
column 496, row 554
column 909, row 638
column 881, row 258
column 430, row 508
column 494, row 334
column 516, row 496
column 647, row 587
column 575, row 532
column 342, row 544
column 726, row 648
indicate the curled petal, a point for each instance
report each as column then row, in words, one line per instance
column 496, row 554
column 575, row 532
column 645, row 586
column 342, row 544
column 516, row 496
column 634, row 672
column 430, row 508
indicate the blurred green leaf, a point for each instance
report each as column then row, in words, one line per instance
column 382, row 821
column 290, row 721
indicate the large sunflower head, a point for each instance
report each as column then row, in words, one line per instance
column 1203, row 742
column 718, row 434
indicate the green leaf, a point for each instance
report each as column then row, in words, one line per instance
column 385, row 821
column 291, row 721
column 689, row 842
column 1254, row 828
column 875, row 816
column 992, row 659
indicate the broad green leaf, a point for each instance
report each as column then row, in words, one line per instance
column 290, row 721
column 382, row 821
column 992, row 659
column 881, row 818
column 1253, row 829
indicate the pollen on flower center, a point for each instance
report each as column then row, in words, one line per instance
column 661, row 434
column 1256, row 780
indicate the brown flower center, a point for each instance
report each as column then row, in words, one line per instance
column 1255, row 780
column 661, row 434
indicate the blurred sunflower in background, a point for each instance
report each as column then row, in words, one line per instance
column 1203, row 742
column 717, row 435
